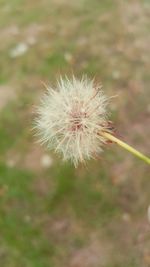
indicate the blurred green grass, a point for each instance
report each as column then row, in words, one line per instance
column 57, row 215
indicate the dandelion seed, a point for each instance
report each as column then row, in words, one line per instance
column 71, row 117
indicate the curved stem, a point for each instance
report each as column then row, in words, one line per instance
column 126, row 146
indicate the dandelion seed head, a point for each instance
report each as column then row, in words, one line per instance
column 71, row 118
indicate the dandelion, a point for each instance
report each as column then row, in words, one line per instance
column 73, row 120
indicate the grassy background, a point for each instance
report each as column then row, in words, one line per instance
column 51, row 214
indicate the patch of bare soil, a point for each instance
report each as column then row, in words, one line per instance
column 96, row 253
column 7, row 94
column 135, row 18
column 134, row 237
column 36, row 159
column 32, row 32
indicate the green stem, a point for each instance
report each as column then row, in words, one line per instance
column 126, row 146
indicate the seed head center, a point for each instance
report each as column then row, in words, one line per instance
column 76, row 119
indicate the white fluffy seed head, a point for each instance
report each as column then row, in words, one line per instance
column 71, row 118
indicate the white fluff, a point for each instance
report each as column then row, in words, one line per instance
column 71, row 118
